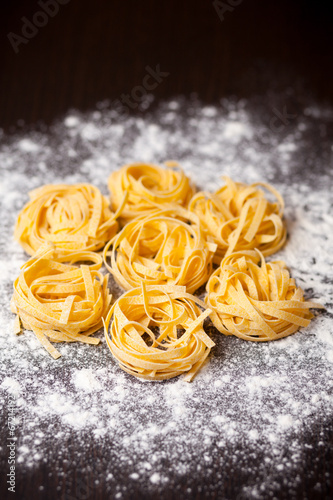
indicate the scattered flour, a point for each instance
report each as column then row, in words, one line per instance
column 71, row 121
column 28, row 146
column 86, row 380
column 11, row 385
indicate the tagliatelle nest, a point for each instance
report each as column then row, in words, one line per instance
column 160, row 250
column 60, row 300
column 147, row 186
column 180, row 346
column 255, row 300
column 73, row 217
column 239, row 217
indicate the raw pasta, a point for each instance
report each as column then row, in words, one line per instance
column 60, row 300
column 148, row 185
column 165, row 252
column 160, row 250
column 256, row 300
column 73, row 217
column 239, row 217
column 170, row 352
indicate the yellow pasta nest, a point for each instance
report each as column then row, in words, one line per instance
column 73, row 217
column 180, row 346
column 147, row 186
column 239, row 217
column 160, row 250
column 61, row 301
column 255, row 300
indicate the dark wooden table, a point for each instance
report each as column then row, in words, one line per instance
column 90, row 51
column 85, row 51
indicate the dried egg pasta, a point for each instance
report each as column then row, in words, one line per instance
column 256, row 300
column 169, row 353
column 148, row 185
column 60, row 300
column 160, row 250
column 239, row 217
column 73, row 217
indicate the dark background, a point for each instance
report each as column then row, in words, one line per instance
column 95, row 50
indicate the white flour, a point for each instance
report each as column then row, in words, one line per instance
column 252, row 403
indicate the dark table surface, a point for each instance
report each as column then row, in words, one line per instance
column 278, row 54
column 90, row 51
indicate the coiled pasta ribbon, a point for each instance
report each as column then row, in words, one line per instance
column 255, row 300
column 148, row 185
column 73, row 217
column 180, row 346
column 239, row 217
column 63, row 302
column 160, row 250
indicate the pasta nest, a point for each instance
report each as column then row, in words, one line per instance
column 181, row 345
column 160, row 250
column 239, row 217
column 255, row 300
column 147, row 186
column 73, row 217
column 60, row 300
